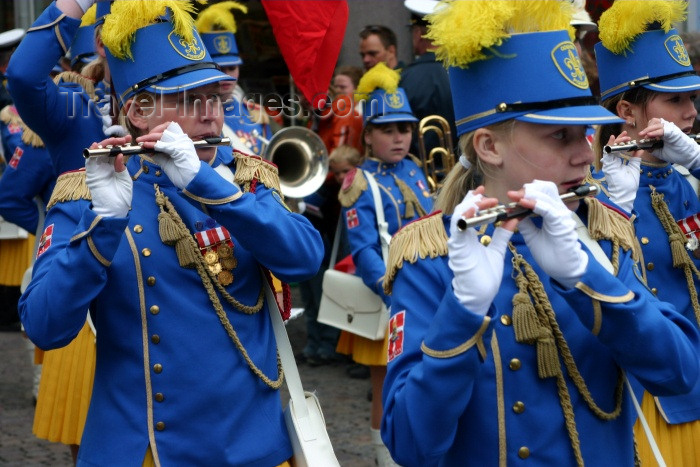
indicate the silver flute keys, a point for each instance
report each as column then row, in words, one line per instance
column 641, row 144
column 130, row 149
column 512, row 210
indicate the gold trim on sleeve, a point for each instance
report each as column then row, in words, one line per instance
column 602, row 297
column 96, row 253
column 500, row 399
column 211, row 201
column 87, row 232
column 597, row 318
column 476, row 339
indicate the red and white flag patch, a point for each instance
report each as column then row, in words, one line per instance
column 45, row 241
column 396, row 335
column 16, row 156
column 351, row 218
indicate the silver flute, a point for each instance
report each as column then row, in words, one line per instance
column 641, row 144
column 130, row 149
column 513, row 210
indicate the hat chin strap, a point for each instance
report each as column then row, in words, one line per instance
column 547, row 105
column 170, row 74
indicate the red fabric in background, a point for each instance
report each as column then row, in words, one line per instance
column 310, row 35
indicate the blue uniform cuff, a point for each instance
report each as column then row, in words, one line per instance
column 208, row 187
column 102, row 234
column 455, row 330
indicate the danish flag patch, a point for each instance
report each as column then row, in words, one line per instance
column 351, row 218
column 45, row 241
column 16, row 156
column 396, row 335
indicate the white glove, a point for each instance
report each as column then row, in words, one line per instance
column 85, row 4
column 107, row 128
column 678, row 147
column 177, row 156
column 555, row 246
column 477, row 269
column 111, row 190
column 622, row 177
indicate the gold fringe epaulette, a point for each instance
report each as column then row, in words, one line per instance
column 70, row 186
column 350, row 193
column 425, row 237
column 606, row 223
column 77, row 78
column 249, row 168
column 9, row 116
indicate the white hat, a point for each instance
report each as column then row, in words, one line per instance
column 11, row 38
column 421, row 7
column 581, row 19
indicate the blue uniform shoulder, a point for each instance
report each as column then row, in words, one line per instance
column 354, row 185
column 605, row 222
column 422, row 238
column 251, row 170
column 70, row 186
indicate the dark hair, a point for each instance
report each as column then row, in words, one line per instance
column 386, row 35
column 352, row 72
column 637, row 96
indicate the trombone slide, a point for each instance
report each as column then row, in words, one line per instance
column 513, row 210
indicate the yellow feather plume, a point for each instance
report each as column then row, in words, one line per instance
column 89, row 17
column 219, row 17
column 127, row 16
column 626, row 19
column 379, row 76
column 465, row 31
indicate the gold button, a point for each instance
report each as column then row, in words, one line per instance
column 519, row 407
column 514, row 364
column 485, row 240
column 155, row 338
column 159, row 397
column 505, row 319
column 138, row 229
column 502, row 107
column 157, row 367
column 523, row 452
column 158, row 172
column 146, row 252
column 654, row 290
column 155, row 309
column 160, row 426
column 151, row 281
column 645, row 240
column 650, row 266
column 146, row 169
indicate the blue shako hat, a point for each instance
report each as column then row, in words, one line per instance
column 388, row 107
column 557, row 92
column 83, row 46
column 165, row 56
column 222, row 47
column 656, row 60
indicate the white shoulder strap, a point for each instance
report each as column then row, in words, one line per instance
column 382, row 225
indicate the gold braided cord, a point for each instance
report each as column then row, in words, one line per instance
column 681, row 257
column 567, row 407
column 175, row 233
column 410, row 199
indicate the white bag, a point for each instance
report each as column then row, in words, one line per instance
column 303, row 416
column 10, row 231
column 348, row 304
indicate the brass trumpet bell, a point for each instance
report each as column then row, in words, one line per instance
column 301, row 159
column 439, row 161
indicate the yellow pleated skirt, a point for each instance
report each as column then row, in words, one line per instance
column 15, row 257
column 65, row 389
column 363, row 350
column 679, row 444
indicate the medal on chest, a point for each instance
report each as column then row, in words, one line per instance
column 217, row 248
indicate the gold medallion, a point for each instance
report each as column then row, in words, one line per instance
column 215, row 268
column 224, row 251
column 210, row 257
column 229, row 263
column 225, row 278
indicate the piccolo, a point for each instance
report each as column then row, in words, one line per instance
column 514, row 210
column 641, row 144
column 130, row 149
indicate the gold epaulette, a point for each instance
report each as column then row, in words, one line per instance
column 416, row 159
column 77, row 78
column 70, row 186
column 590, row 180
column 249, row 168
column 606, row 223
column 9, row 116
column 353, row 186
column 257, row 114
column 425, row 237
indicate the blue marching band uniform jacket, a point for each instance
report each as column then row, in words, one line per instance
column 401, row 205
column 169, row 374
column 65, row 116
column 243, row 129
column 460, row 389
column 29, row 175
